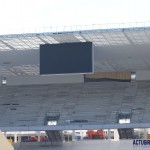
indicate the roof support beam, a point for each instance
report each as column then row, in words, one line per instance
column 42, row 40
column 15, row 71
column 129, row 39
column 11, row 47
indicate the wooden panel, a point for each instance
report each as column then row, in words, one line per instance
column 110, row 75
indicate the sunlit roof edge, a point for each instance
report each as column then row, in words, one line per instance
column 73, row 32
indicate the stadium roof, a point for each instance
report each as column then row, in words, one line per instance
column 116, row 49
column 99, row 37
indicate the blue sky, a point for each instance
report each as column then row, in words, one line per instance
column 17, row 14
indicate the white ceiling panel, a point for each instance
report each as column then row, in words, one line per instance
column 114, row 50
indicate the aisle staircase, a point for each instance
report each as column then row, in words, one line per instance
column 55, row 137
column 126, row 133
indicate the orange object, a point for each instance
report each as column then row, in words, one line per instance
column 99, row 134
column 33, row 138
column 42, row 138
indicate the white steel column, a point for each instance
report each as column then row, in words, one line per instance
column 73, row 135
column 81, row 134
column 145, row 133
column 39, row 135
column 109, row 135
column 116, row 135
column 19, row 138
column 15, row 137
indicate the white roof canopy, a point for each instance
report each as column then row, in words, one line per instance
column 122, row 49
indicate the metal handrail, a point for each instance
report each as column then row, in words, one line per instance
column 72, row 28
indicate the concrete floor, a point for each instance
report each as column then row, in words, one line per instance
column 86, row 145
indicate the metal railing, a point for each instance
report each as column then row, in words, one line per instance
column 72, row 28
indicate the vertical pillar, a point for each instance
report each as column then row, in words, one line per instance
column 116, row 135
column 68, row 137
column 39, row 135
column 109, row 135
column 15, row 137
column 19, row 138
column 139, row 134
column 145, row 133
column 81, row 134
column 73, row 135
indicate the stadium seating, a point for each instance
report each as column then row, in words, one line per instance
column 88, row 103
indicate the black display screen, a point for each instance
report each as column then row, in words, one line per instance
column 66, row 58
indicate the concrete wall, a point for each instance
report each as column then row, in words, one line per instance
column 28, row 80
column 143, row 75
column 4, row 144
